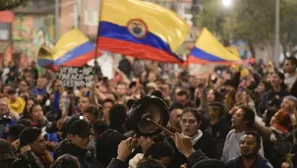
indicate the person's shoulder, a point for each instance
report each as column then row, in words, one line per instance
column 232, row 131
column 265, row 162
column 232, row 162
column 206, row 135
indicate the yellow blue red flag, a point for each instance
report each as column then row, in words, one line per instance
column 209, row 50
column 73, row 49
column 141, row 29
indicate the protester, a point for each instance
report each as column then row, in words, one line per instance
column 211, row 116
column 250, row 145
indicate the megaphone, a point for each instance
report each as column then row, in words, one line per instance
column 148, row 116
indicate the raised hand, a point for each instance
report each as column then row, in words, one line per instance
column 183, row 144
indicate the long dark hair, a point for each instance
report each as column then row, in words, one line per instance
column 26, row 112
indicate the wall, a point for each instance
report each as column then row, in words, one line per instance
column 89, row 14
column 6, row 17
column 30, row 32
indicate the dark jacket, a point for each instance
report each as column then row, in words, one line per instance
column 192, row 160
column 84, row 156
column 272, row 98
column 205, row 144
column 107, row 146
column 260, row 163
column 33, row 161
column 219, row 132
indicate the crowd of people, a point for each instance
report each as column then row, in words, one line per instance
column 238, row 117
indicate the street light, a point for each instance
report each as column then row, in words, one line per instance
column 227, row 3
column 276, row 43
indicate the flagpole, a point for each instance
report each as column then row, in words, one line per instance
column 98, row 30
column 96, row 47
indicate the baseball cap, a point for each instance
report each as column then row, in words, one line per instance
column 29, row 135
column 81, row 128
column 6, row 152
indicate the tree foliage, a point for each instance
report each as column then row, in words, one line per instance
column 11, row 4
column 251, row 20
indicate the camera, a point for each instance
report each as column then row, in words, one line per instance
column 5, row 119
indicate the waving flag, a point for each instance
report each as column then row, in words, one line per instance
column 209, row 50
column 73, row 49
column 141, row 29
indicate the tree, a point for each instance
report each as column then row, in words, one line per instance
column 252, row 21
column 11, row 4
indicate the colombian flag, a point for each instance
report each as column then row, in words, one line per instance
column 73, row 49
column 141, row 29
column 209, row 50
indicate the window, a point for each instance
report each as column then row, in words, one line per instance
column 91, row 17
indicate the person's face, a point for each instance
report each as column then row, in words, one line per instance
column 81, row 142
column 145, row 142
column 182, row 99
column 121, row 90
column 29, row 104
column 105, row 109
column 23, row 86
column 226, row 75
column 198, row 92
column 40, row 83
column 133, row 90
column 12, row 97
column 229, row 88
column 261, row 88
column 176, row 91
column 288, row 67
column 29, row 77
column 249, row 146
column 275, row 80
column 83, row 103
column 39, row 145
column 166, row 90
column 213, row 114
column 269, row 77
column 237, row 119
column 287, row 105
column 90, row 118
column 189, row 124
column 211, row 96
column 152, row 77
column 175, row 118
column 37, row 113
column 102, row 88
column 243, row 83
column 5, row 89
column 57, row 86
column 3, row 106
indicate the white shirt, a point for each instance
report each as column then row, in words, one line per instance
column 232, row 146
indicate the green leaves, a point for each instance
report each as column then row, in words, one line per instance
column 250, row 20
column 11, row 4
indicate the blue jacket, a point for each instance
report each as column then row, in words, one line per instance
column 260, row 163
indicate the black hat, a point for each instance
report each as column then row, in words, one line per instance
column 210, row 163
column 16, row 130
column 29, row 135
column 69, row 124
column 6, row 152
column 81, row 128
